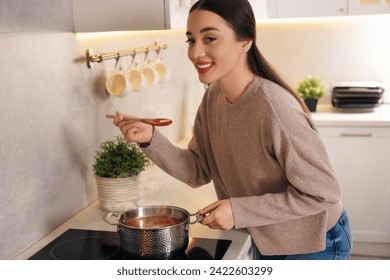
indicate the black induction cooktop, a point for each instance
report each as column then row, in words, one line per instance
column 80, row 244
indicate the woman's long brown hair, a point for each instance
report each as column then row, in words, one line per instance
column 239, row 15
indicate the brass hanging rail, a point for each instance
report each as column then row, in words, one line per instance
column 92, row 58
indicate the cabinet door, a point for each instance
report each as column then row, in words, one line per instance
column 118, row 15
column 177, row 13
column 361, row 159
column 366, row 7
column 126, row 15
column 259, row 9
column 306, row 8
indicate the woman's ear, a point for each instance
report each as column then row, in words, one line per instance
column 246, row 45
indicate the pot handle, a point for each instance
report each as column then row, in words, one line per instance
column 198, row 218
column 107, row 218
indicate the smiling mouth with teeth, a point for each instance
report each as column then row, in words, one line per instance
column 204, row 67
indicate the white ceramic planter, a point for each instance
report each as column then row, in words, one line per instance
column 119, row 195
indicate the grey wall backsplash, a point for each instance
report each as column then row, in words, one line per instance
column 52, row 109
column 36, row 15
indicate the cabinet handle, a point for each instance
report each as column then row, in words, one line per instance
column 357, row 134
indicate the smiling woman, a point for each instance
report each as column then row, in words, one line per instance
column 210, row 45
column 228, row 38
column 288, row 197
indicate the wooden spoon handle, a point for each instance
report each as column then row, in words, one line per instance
column 154, row 122
column 126, row 118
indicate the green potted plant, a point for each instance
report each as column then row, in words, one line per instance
column 117, row 168
column 310, row 89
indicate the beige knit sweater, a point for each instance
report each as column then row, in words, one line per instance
column 265, row 154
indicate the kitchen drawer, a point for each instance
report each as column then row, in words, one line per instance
column 359, row 132
column 361, row 159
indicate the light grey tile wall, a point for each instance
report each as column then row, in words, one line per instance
column 36, row 15
column 52, row 119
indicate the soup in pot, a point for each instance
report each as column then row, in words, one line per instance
column 153, row 222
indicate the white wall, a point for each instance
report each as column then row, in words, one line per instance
column 52, row 106
column 354, row 48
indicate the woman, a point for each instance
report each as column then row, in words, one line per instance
column 255, row 139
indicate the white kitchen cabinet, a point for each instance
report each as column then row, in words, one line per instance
column 125, row 15
column 259, row 9
column 306, row 8
column 320, row 8
column 361, row 159
column 366, row 7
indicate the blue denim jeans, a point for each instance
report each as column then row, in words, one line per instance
column 338, row 244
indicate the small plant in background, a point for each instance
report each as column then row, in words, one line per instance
column 119, row 159
column 310, row 88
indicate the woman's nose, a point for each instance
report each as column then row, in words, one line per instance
column 196, row 51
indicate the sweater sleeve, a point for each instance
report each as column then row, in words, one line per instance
column 187, row 165
column 312, row 186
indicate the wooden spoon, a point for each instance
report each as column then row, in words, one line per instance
column 154, row 122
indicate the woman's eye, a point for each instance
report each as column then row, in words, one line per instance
column 210, row 39
column 190, row 41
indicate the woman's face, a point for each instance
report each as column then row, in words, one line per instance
column 213, row 48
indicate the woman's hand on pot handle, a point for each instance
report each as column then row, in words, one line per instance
column 219, row 215
column 133, row 131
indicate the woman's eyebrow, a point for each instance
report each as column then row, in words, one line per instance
column 203, row 30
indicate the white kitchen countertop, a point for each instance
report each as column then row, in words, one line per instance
column 159, row 188
column 327, row 115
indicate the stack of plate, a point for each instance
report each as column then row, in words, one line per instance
column 357, row 95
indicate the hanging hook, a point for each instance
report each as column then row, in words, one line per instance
column 158, row 50
column 132, row 59
column 116, row 61
column 146, row 53
column 146, row 61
